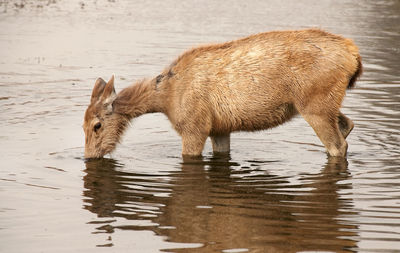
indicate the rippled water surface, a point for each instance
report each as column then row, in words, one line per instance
column 278, row 192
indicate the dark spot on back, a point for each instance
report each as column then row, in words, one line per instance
column 159, row 78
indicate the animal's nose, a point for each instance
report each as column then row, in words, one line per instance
column 92, row 155
column 88, row 155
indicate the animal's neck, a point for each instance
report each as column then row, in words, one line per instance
column 137, row 99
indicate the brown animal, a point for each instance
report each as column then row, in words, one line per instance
column 249, row 84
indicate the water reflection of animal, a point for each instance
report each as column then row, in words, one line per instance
column 221, row 208
column 249, row 84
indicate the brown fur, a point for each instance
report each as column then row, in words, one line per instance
column 249, row 84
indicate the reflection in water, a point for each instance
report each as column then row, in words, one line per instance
column 213, row 203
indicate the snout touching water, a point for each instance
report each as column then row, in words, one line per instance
column 102, row 127
column 264, row 181
column 250, row 84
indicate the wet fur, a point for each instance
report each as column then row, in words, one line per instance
column 250, row 84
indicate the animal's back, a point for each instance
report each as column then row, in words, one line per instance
column 257, row 82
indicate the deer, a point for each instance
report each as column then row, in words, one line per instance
column 250, row 84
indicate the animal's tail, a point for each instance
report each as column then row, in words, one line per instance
column 353, row 49
column 356, row 74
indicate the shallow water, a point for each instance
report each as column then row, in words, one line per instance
column 277, row 192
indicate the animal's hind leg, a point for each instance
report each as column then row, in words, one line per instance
column 345, row 124
column 220, row 144
column 327, row 129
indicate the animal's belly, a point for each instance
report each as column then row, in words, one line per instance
column 251, row 119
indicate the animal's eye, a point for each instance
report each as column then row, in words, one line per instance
column 97, row 126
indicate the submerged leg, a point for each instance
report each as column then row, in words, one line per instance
column 345, row 124
column 328, row 132
column 221, row 143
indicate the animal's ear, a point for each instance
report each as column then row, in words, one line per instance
column 109, row 91
column 97, row 90
column 109, row 95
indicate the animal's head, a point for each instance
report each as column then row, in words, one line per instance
column 102, row 127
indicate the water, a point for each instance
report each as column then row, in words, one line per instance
column 278, row 192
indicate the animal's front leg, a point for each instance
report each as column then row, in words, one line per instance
column 221, row 144
column 193, row 144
